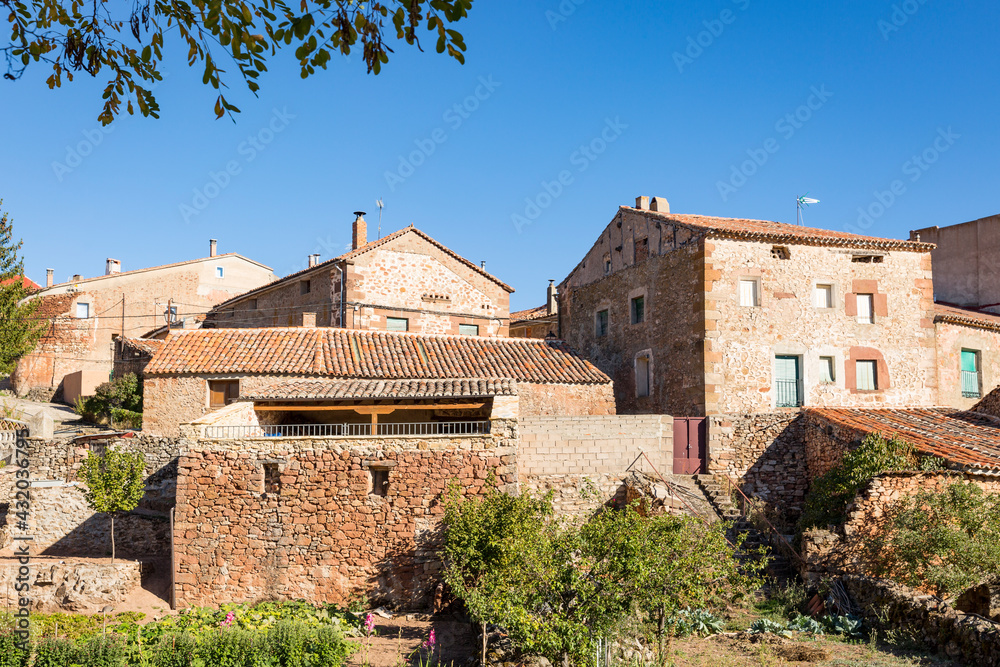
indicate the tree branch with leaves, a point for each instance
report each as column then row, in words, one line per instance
column 114, row 483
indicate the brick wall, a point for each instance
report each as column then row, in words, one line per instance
column 323, row 536
column 765, row 453
column 583, row 460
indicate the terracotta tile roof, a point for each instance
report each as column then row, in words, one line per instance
column 779, row 232
column 325, row 390
column 530, row 314
column 26, row 282
column 363, row 249
column 347, row 353
column 973, row 318
column 966, row 438
column 149, row 346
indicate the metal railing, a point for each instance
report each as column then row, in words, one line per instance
column 348, row 430
column 970, row 384
column 788, row 393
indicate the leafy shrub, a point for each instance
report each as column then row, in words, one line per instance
column 175, row 650
column 807, row 624
column 849, row 626
column 10, row 654
column 123, row 394
column 827, row 500
column 126, row 419
column 766, row 625
column 699, row 622
column 288, row 641
column 52, row 652
column 229, row 647
column 103, row 651
column 76, row 626
column 947, row 541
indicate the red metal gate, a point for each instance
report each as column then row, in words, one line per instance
column 689, row 445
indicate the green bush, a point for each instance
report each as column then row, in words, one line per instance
column 10, row 654
column 329, row 647
column 52, row 652
column 232, row 647
column 175, row 650
column 122, row 397
column 103, row 651
column 828, row 497
column 126, row 419
column 288, row 641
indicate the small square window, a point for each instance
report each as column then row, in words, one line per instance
column 827, row 370
column 220, row 272
column 823, row 296
column 83, row 310
column 638, row 310
column 252, row 304
column 222, row 392
column 305, row 286
column 397, row 324
column 749, row 292
column 602, row 323
column 272, row 479
column 380, row 481
column 469, row 329
column 867, row 375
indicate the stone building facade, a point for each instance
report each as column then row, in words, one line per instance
column 540, row 322
column 405, row 281
column 966, row 262
column 968, row 355
column 693, row 316
column 84, row 315
column 418, row 376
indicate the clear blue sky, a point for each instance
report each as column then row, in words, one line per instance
column 680, row 124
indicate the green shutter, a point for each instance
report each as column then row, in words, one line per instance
column 786, row 368
column 969, row 361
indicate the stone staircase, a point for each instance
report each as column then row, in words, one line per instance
column 779, row 568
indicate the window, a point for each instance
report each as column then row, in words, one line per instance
column 222, row 392
column 220, row 272
column 867, row 374
column 472, row 329
column 602, row 323
column 749, row 292
column 866, row 309
column 380, row 481
column 397, row 324
column 272, row 479
column 787, row 382
column 252, row 304
column 827, row 372
column 642, row 376
column 971, row 380
column 607, row 265
column 823, row 296
column 83, row 310
column 638, row 310
column 305, row 286
column 641, row 250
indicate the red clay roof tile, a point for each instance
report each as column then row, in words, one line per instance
column 325, row 389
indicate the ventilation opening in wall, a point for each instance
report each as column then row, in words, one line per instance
column 867, row 259
column 272, row 479
column 380, row 481
column 780, row 252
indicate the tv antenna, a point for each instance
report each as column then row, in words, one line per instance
column 378, row 202
column 801, row 203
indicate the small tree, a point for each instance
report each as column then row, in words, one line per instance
column 115, row 483
column 20, row 327
column 947, row 541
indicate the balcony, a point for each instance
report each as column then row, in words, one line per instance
column 405, row 430
column 971, row 384
column 788, row 393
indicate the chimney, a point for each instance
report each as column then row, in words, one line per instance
column 313, row 260
column 49, row 280
column 112, row 267
column 642, row 203
column 77, row 277
column 482, row 265
column 213, row 247
column 309, row 320
column 552, row 301
column 359, row 232
column 660, row 205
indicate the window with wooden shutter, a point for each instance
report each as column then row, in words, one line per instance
column 222, row 392
column 971, row 382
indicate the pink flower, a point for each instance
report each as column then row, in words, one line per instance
column 369, row 624
column 230, row 617
column 431, row 640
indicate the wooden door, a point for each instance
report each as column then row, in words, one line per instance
column 690, row 447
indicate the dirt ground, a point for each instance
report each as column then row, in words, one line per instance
column 398, row 640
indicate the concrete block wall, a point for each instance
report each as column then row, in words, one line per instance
column 584, row 459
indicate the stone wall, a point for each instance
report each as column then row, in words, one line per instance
column 951, row 340
column 786, row 322
column 670, row 278
column 890, row 606
column 826, row 443
column 565, row 399
column 765, row 454
column 583, row 460
column 74, row 586
column 300, row 519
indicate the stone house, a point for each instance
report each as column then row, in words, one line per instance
column 346, row 380
column 966, row 262
column 968, row 354
column 694, row 315
column 85, row 314
column 540, row 322
column 405, row 281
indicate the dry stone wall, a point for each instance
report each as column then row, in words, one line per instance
column 81, row 587
column 583, row 460
column 765, row 454
column 299, row 518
